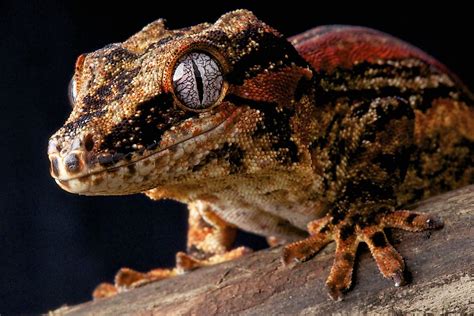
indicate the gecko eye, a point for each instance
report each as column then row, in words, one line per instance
column 197, row 80
column 71, row 92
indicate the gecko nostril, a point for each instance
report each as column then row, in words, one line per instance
column 72, row 163
column 88, row 142
column 53, row 147
column 54, row 167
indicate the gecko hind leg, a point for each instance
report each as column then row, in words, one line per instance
column 347, row 234
column 209, row 242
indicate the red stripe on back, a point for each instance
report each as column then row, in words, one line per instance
column 329, row 47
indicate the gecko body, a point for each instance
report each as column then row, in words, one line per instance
column 321, row 137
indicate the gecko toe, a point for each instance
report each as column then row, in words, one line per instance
column 104, row 290
column 411, row 221
column 125, row 278
column 302, row 250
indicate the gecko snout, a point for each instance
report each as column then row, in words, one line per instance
column 69, row 159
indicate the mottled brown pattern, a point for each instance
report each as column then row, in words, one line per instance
column 320, row 139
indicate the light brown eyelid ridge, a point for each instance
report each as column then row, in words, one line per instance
column 79, row 65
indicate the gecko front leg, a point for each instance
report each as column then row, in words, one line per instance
column 209, row 242
column 371, row 170
column 348, row 233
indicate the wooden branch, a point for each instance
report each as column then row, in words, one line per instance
column 441, row 264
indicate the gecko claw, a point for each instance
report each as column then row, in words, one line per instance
column 434, row 222
column 399, row 279
column 334, row 293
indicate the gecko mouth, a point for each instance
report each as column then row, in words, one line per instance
column 141, row 170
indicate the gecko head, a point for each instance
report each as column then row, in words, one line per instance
column 175, row 106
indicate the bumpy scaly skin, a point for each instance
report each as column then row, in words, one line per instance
column 329, row 133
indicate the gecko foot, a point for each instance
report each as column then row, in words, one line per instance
column 348, row 233
column 127, row 279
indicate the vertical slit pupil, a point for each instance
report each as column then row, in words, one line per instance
column 199, row 85
column 197, row 80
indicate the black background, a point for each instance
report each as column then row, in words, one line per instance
column 55, row 246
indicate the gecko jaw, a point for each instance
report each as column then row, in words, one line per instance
column 141, row 174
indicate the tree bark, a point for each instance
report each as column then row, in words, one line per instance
column 440, row 262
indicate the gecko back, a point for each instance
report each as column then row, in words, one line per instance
column 356, row 64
